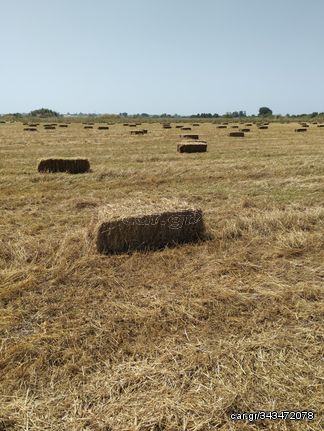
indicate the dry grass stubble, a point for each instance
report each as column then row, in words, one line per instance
column 170, row 340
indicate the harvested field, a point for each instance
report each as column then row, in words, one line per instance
column 173, row 339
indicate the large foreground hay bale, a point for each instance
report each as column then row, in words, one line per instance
column 71, row 166
column 134, row 225
column 189, row 136
column 236, row 134
column 192, row 147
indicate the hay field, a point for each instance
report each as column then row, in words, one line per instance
column 169, row 340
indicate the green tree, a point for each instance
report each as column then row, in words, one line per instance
column 43, row 112
column 264, row 111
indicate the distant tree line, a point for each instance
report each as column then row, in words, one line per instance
column 264, row 111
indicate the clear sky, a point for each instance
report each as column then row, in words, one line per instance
column 156, row 56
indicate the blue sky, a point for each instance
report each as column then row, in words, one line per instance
column 173, row 56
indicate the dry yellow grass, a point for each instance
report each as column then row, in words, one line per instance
column 169, row 340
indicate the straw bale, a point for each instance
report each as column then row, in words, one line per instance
column 72, row 166
column 236, row 134
column 192, row 147
column 141, row 225
column 190, row 136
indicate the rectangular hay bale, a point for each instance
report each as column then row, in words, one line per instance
column 192, row 147
column 189, row 136
column 237, row 134
column 134, row 225
column 71, row 166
